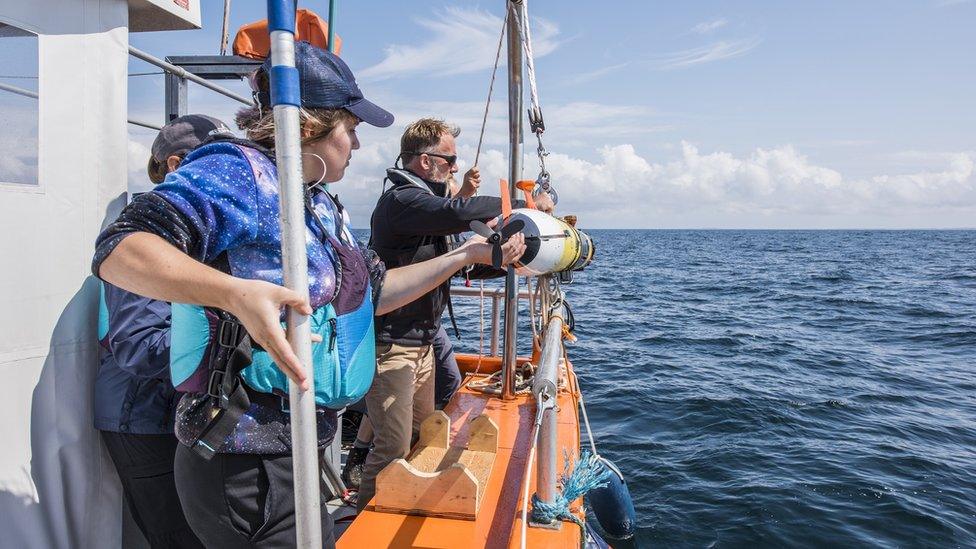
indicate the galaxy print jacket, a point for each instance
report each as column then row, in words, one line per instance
column 221, row 208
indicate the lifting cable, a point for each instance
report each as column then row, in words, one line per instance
column 477, row 156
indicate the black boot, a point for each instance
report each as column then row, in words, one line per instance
column 352, row 472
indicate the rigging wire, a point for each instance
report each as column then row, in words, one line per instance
column 491, row 86
column 481, row 319
column 528, row 470
column 477, row 156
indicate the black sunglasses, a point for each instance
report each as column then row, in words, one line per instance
column 451, row 159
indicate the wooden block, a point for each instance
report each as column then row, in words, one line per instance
column 484, row 435
column 435, row 431
column 438, row 479
column 452, row 492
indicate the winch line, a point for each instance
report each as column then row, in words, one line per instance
column 477, row 156
column 528, row 470
column 481, row 319
column 491, row 87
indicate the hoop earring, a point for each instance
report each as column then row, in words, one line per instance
column 325, row 169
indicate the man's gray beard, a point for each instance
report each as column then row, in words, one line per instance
column 445, row 178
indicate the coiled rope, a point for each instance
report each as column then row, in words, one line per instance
column 587, row 474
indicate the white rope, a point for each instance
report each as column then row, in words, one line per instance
column 477, row 156
column 532, row 315
column 528, row 471
column 491, row 86
column 586, row 418
column 529, row 62
column 481, row 319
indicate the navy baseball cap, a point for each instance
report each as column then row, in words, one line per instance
column 326, row 82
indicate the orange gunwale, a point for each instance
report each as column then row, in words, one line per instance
column 499, row 521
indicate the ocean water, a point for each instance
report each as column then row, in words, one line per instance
column 783, row 388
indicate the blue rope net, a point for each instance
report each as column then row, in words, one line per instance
column 589, row 473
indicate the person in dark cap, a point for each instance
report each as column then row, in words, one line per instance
column 134, row 398
column 179, row 137
column 210, row 236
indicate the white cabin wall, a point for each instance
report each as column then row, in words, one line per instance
column 57, row 486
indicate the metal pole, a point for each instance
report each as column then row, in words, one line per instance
column 515, row 163
column 224, row 29
column 333, row 8
column 33, row 95
column 183, row 73
column 149, row 125
column 496, row 317
column 18, row 91
column 544, row 387
column 286, row 98
column 175, row 97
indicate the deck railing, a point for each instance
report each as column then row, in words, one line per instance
column 496, row 295
column 177, row 78
column 544, row 386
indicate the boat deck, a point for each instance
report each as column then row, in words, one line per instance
column 498, row 523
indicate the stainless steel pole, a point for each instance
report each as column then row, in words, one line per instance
column 509, row 350
column 183, row 73
column 496, row 317
column 286, row 99
column 545, row 388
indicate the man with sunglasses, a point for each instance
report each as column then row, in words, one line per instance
column 415, row 220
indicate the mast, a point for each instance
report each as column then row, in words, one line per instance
column 286, row 98
column 509, row 351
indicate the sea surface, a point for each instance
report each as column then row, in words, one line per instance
column 783, row 388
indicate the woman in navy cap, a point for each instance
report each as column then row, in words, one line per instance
column 209, row 235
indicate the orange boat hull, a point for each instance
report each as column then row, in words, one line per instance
column 498, row 523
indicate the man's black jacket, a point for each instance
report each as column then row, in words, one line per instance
column 411, row 223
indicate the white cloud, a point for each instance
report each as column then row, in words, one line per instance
column 777, row 187
column 707, row 27
column 137, row 159
column 625, row 189
column 460, row 41
column 715, row 51
column 584, row 77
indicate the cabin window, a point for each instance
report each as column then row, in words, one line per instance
column 18, row 106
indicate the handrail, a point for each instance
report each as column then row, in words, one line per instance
column 185, row 74
column 18, row 91
column 149, row 125
column 465, row 291
column 545, row 386
column 33, row 95
column 496, row 295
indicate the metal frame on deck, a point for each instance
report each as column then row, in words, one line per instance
column 199, row 69
column 496, row 295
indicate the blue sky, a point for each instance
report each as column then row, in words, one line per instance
column 670, row 115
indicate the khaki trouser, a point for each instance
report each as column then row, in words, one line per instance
column 401, row 397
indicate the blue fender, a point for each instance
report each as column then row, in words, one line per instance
column 593, row 539
column 613, row 506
